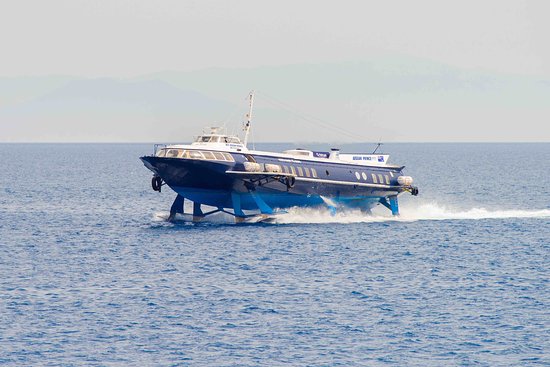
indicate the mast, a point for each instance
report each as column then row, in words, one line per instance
column 248, row 117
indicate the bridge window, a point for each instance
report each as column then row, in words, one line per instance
column 232, row 140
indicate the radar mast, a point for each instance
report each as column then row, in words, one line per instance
column 248, row 117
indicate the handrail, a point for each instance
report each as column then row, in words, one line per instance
column 156, row 149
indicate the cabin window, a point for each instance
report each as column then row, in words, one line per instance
column 300, row 172
column 374, row 178
column 293, row 170
column 313, row 172
column 172, row 153
column 307, row 171
column 200, row 154
column 357, row 175
column 364, row 175
column 387, row 179
column 326, row 171
column 380, row 178
column 391, row 173
column 195, row 154
column 208, row 155
column 228, row 157
column 250, row 158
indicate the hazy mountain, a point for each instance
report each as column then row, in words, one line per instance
column 20, row 89
column 393, row 99
column 113, row 110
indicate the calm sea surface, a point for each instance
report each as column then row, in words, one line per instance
column 90, row 274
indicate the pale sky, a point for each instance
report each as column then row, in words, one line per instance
column 497, row 86
column 132, row 37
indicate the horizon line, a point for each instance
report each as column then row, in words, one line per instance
column 284, row 142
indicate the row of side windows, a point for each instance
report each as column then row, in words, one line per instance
column 380, row 178
column 300, row 171
column 311, row 172
column 195, row 154
column 376, row 178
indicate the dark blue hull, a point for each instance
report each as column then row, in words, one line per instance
column 209, row 183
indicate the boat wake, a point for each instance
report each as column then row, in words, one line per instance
column 432, row 211
column 412, row 213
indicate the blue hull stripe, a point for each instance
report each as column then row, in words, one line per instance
column 267, row 201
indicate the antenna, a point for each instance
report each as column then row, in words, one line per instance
column 248, row 117
column 377, row 146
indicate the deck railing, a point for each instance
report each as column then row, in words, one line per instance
column 157, row 147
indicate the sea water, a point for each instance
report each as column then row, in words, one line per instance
column 91, row 274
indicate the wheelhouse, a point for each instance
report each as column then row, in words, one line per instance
column 214, row 138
